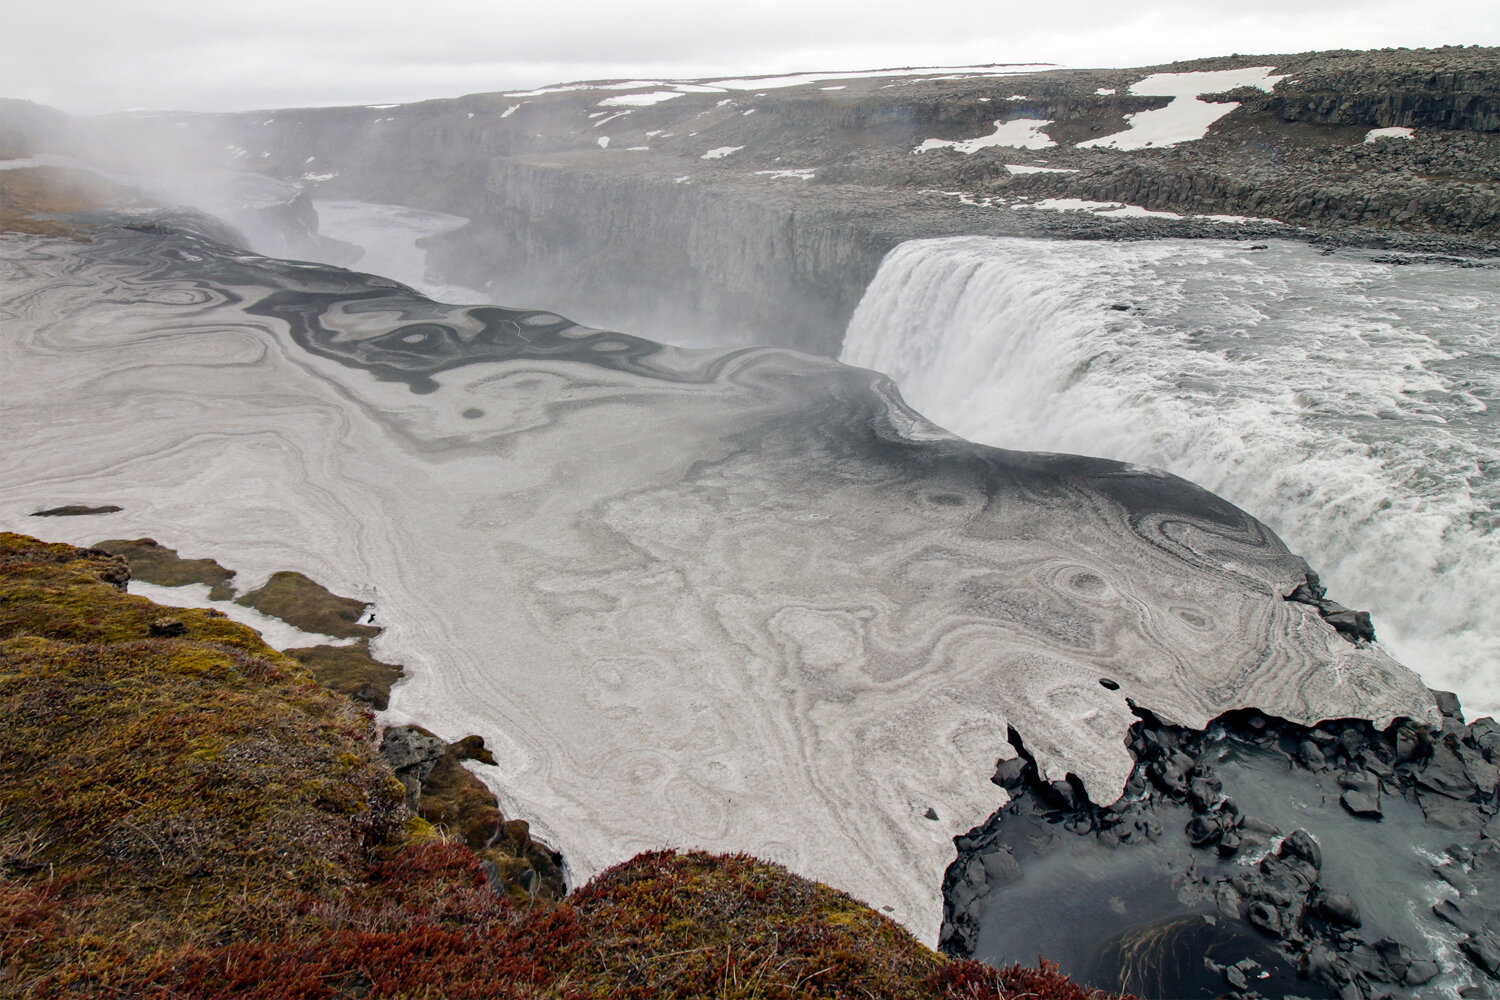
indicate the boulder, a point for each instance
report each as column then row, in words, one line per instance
column 412, row 753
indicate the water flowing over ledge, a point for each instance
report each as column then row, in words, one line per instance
column 739, row 600
column 1348, row 400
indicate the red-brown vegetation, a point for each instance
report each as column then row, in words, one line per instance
column 191, row 817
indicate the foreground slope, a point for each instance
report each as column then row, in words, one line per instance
column 185, row 813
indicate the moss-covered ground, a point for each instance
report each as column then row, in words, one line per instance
column 186, row 813
column 29, row 192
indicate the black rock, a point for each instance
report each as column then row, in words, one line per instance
column 1460, row 914
column 1362, row 804
column 412, row 753
column 1203, row 831
column 1412, row 742
column 1339, row 908
column 1421, row 972
column 1264, row 917
column 1483, row 950
column 77, row 510
column 1204, row 792
column 1310, row 755
column 1301, row 844
column 1000, row 866
column 1396, row 956
column 1449, row 813
column 1011, row 774
column 1486, row 733
column 1448, row 704
column 1061, row 795
column 1354, row 624
column 1445, row 772
column 167, row 627
column 1229, row 844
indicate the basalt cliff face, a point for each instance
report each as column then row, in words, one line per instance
column 758, row 209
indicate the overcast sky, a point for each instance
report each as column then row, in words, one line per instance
column 209, row 55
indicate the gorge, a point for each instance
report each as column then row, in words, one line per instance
column 737, row 597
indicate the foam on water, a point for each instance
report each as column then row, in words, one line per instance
column 738, row 600
column 1347, row 401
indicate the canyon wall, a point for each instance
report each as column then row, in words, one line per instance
column 714, row 212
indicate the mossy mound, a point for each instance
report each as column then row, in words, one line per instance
column 351, row 670
column 155, row 563
column 184, row 813
column 306, row 604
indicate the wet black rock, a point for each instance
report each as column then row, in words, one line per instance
column 1483, row 948
column 1365, row 805
column 1260, row 885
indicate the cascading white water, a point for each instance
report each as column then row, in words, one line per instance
column 1348, row 401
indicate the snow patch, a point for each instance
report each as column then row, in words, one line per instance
column 1021, row 168
column 639, row 100
column 1023, row 133
column 508, row 111
column 952, row 73
column 801, row 175
column 1105, row 91
column 1114, row 209
column 720, row 152
column 1186, row 118
column 1376, row 134
column 603, row 141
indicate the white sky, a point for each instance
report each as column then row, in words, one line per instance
column 210, row 55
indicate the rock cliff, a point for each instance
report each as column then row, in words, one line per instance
column 758, row 209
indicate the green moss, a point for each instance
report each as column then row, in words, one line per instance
column 351, row 670
column 160, row 565
column 158, row 771
column 193, row 816
column 299, row 601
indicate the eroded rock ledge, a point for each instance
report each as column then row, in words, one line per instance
column 1237, row 897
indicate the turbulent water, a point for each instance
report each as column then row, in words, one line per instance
column 1350, row 401
column 744, row 600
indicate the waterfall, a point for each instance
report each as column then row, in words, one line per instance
column 1346, row 400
